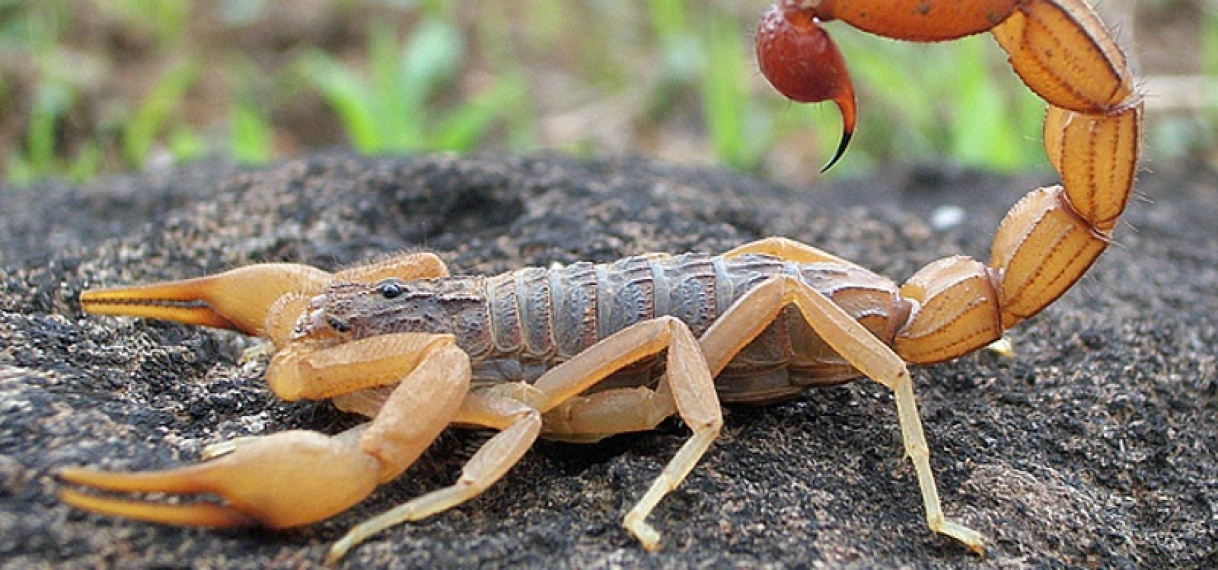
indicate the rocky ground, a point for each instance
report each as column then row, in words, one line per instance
column 1096, row 445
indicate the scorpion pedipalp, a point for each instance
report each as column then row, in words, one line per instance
column 240, row 299
column 258, row 482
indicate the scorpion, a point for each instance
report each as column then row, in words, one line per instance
column 586, row 351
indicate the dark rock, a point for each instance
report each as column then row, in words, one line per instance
column 1095, row 446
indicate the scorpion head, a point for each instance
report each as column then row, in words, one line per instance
column 348, row 310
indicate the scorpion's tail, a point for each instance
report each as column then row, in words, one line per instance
column 1092, row 134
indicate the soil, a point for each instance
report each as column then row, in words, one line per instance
column 1094, row 445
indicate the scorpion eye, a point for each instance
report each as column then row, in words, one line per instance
column 391, row 288
column 338, row 324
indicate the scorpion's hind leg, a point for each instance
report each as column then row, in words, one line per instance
column 299, row 477
column 754, row 311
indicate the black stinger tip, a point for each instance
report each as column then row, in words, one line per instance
column 841, row 150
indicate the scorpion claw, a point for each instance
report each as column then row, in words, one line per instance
column 202, row 514
column 279, row 481
column 240, row 299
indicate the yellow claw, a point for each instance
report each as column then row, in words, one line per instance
column 240, row 299
column 279, row 481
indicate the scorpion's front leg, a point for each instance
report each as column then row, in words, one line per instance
column 754, row 311
column 300, row 477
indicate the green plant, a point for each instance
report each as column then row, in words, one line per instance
column 392, row 110
column 738, row 141
column 706, row 52
column 428, row 75
column 152, row 116
column 252, row 137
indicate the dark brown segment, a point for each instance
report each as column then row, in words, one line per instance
column 627, row 292
column 685, row 289
column 745, row 272
column 536, row 312
column 870, row 298
column 472, row 323
column 573, row 290
column 505, row 314
column 771, row 349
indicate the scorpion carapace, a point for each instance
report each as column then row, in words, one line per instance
column 586, row 351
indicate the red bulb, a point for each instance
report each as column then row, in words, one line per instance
column 801, row 61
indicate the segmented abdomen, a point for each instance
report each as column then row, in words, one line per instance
column 553, row 314
column 539, row 317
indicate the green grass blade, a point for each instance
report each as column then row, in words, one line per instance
column 393, row 104
column 431, row 58
column 51, row 102
column 150, row 119
column 464, row 128
column 347, row 96
column 252, row 137
column 86, row 164
column 724, row 98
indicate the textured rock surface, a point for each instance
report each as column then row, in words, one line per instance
column 1096, row 445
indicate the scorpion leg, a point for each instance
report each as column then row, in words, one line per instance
column 692, row 392
column 754, row 311
column 519, row 424
column 516, row 409
column 299, row 477
column 787, row 249
column 593, row 417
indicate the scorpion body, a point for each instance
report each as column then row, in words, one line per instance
column 517, row 325
column 585, row 351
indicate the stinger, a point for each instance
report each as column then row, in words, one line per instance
column 801, row 61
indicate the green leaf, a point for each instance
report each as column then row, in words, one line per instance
column 432, row 57
column 722, row 92
column 150, row 119
column 51, row 102
column 253, row 138
column 466, row 126
column 347, row 96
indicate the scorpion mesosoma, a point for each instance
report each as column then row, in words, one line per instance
column 558, row 352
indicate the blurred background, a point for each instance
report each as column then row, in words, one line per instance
column 104, row 86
